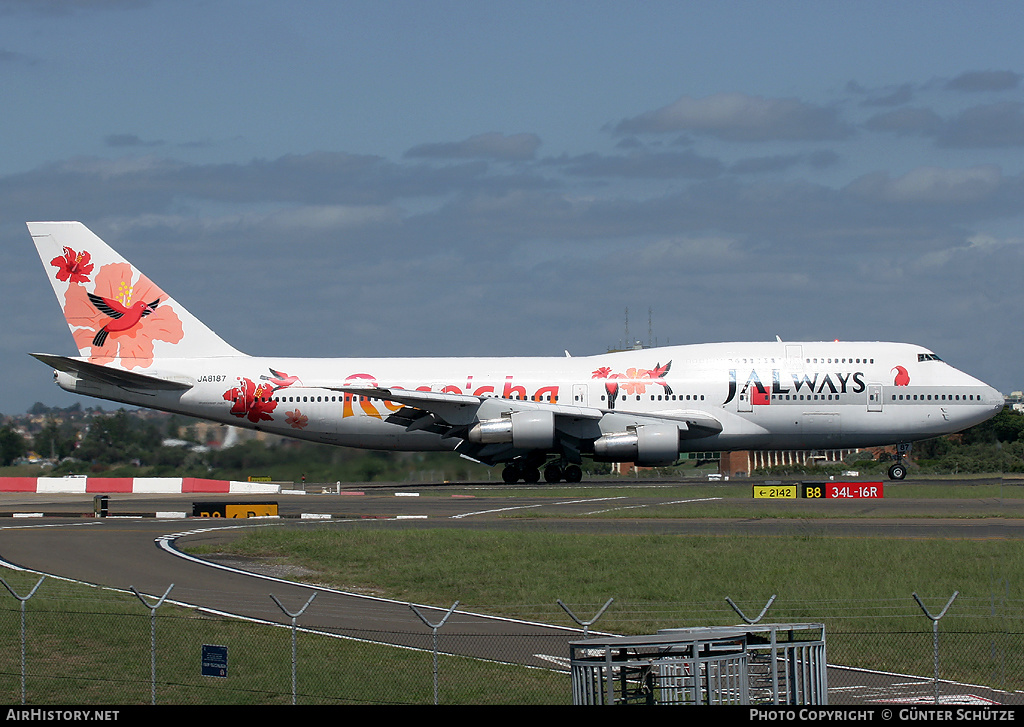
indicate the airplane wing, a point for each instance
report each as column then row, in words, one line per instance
column 452, row 415
column 108, row 375
column 462, row 409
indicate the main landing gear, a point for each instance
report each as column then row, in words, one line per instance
column 899, row 470
column 530, row 473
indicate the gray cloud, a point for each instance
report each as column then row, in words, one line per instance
column 493, row 146
column 13, row 58
column 991, row 126
column 891, row 97
column 781, row 162
column 974, row 81
column 97, row 187
column 68, row 7
column 932, row 186
column 127, row 141
column 766, row 164
column 561, row 198
column 740, row 117
column 907, row 122
column 470, row 204
column 644, row 165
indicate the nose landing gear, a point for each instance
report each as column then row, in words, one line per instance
column 899, row 470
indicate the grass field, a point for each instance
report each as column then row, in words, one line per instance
column 658, row 581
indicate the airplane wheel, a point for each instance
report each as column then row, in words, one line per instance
column 511, row 474
column 573, row 473
column 531, row 475
column 897, row 472
column 552, row 473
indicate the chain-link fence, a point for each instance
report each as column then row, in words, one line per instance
column 973, row 667
column 94, row 646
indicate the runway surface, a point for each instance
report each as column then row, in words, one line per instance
column 142, row 551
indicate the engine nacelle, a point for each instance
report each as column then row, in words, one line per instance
column 649, row 445
column 524, row 429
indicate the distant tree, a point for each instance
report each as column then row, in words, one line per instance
column 933, row 448
column 1006, row 426
column 119, row 437
column 1009, row 425
column 12, row 446
column 54, row 440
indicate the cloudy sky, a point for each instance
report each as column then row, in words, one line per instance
column 383, row 178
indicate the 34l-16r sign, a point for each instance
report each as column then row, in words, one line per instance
column 819, row 491
column 841, row 490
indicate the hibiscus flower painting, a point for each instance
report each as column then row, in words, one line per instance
column 251, row 401
column 634, row 381
column 73, row 267
column 296, row 419
column 121, row 318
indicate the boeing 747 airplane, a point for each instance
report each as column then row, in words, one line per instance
column 535, row 416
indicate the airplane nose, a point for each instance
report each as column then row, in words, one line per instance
column 995, row 399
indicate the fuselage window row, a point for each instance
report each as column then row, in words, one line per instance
column 935, row 397
column 663, row 397
column 660, row 397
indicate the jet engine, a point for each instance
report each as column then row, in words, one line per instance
column 524, row 429
column 648, row 445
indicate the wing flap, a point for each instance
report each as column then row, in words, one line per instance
column 693, row 424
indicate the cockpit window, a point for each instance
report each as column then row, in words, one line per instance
column 927, row 357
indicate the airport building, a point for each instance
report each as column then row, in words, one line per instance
column 742, row 464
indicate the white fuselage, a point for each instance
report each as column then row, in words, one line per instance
column 772, row 395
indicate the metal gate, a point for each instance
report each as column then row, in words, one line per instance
column 765, row 664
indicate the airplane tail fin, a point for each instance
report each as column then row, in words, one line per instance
column 115, row 313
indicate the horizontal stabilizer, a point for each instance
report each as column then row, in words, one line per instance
column 110, row 376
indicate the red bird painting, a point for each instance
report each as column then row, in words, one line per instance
column 122, row 318
column 280, row 380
